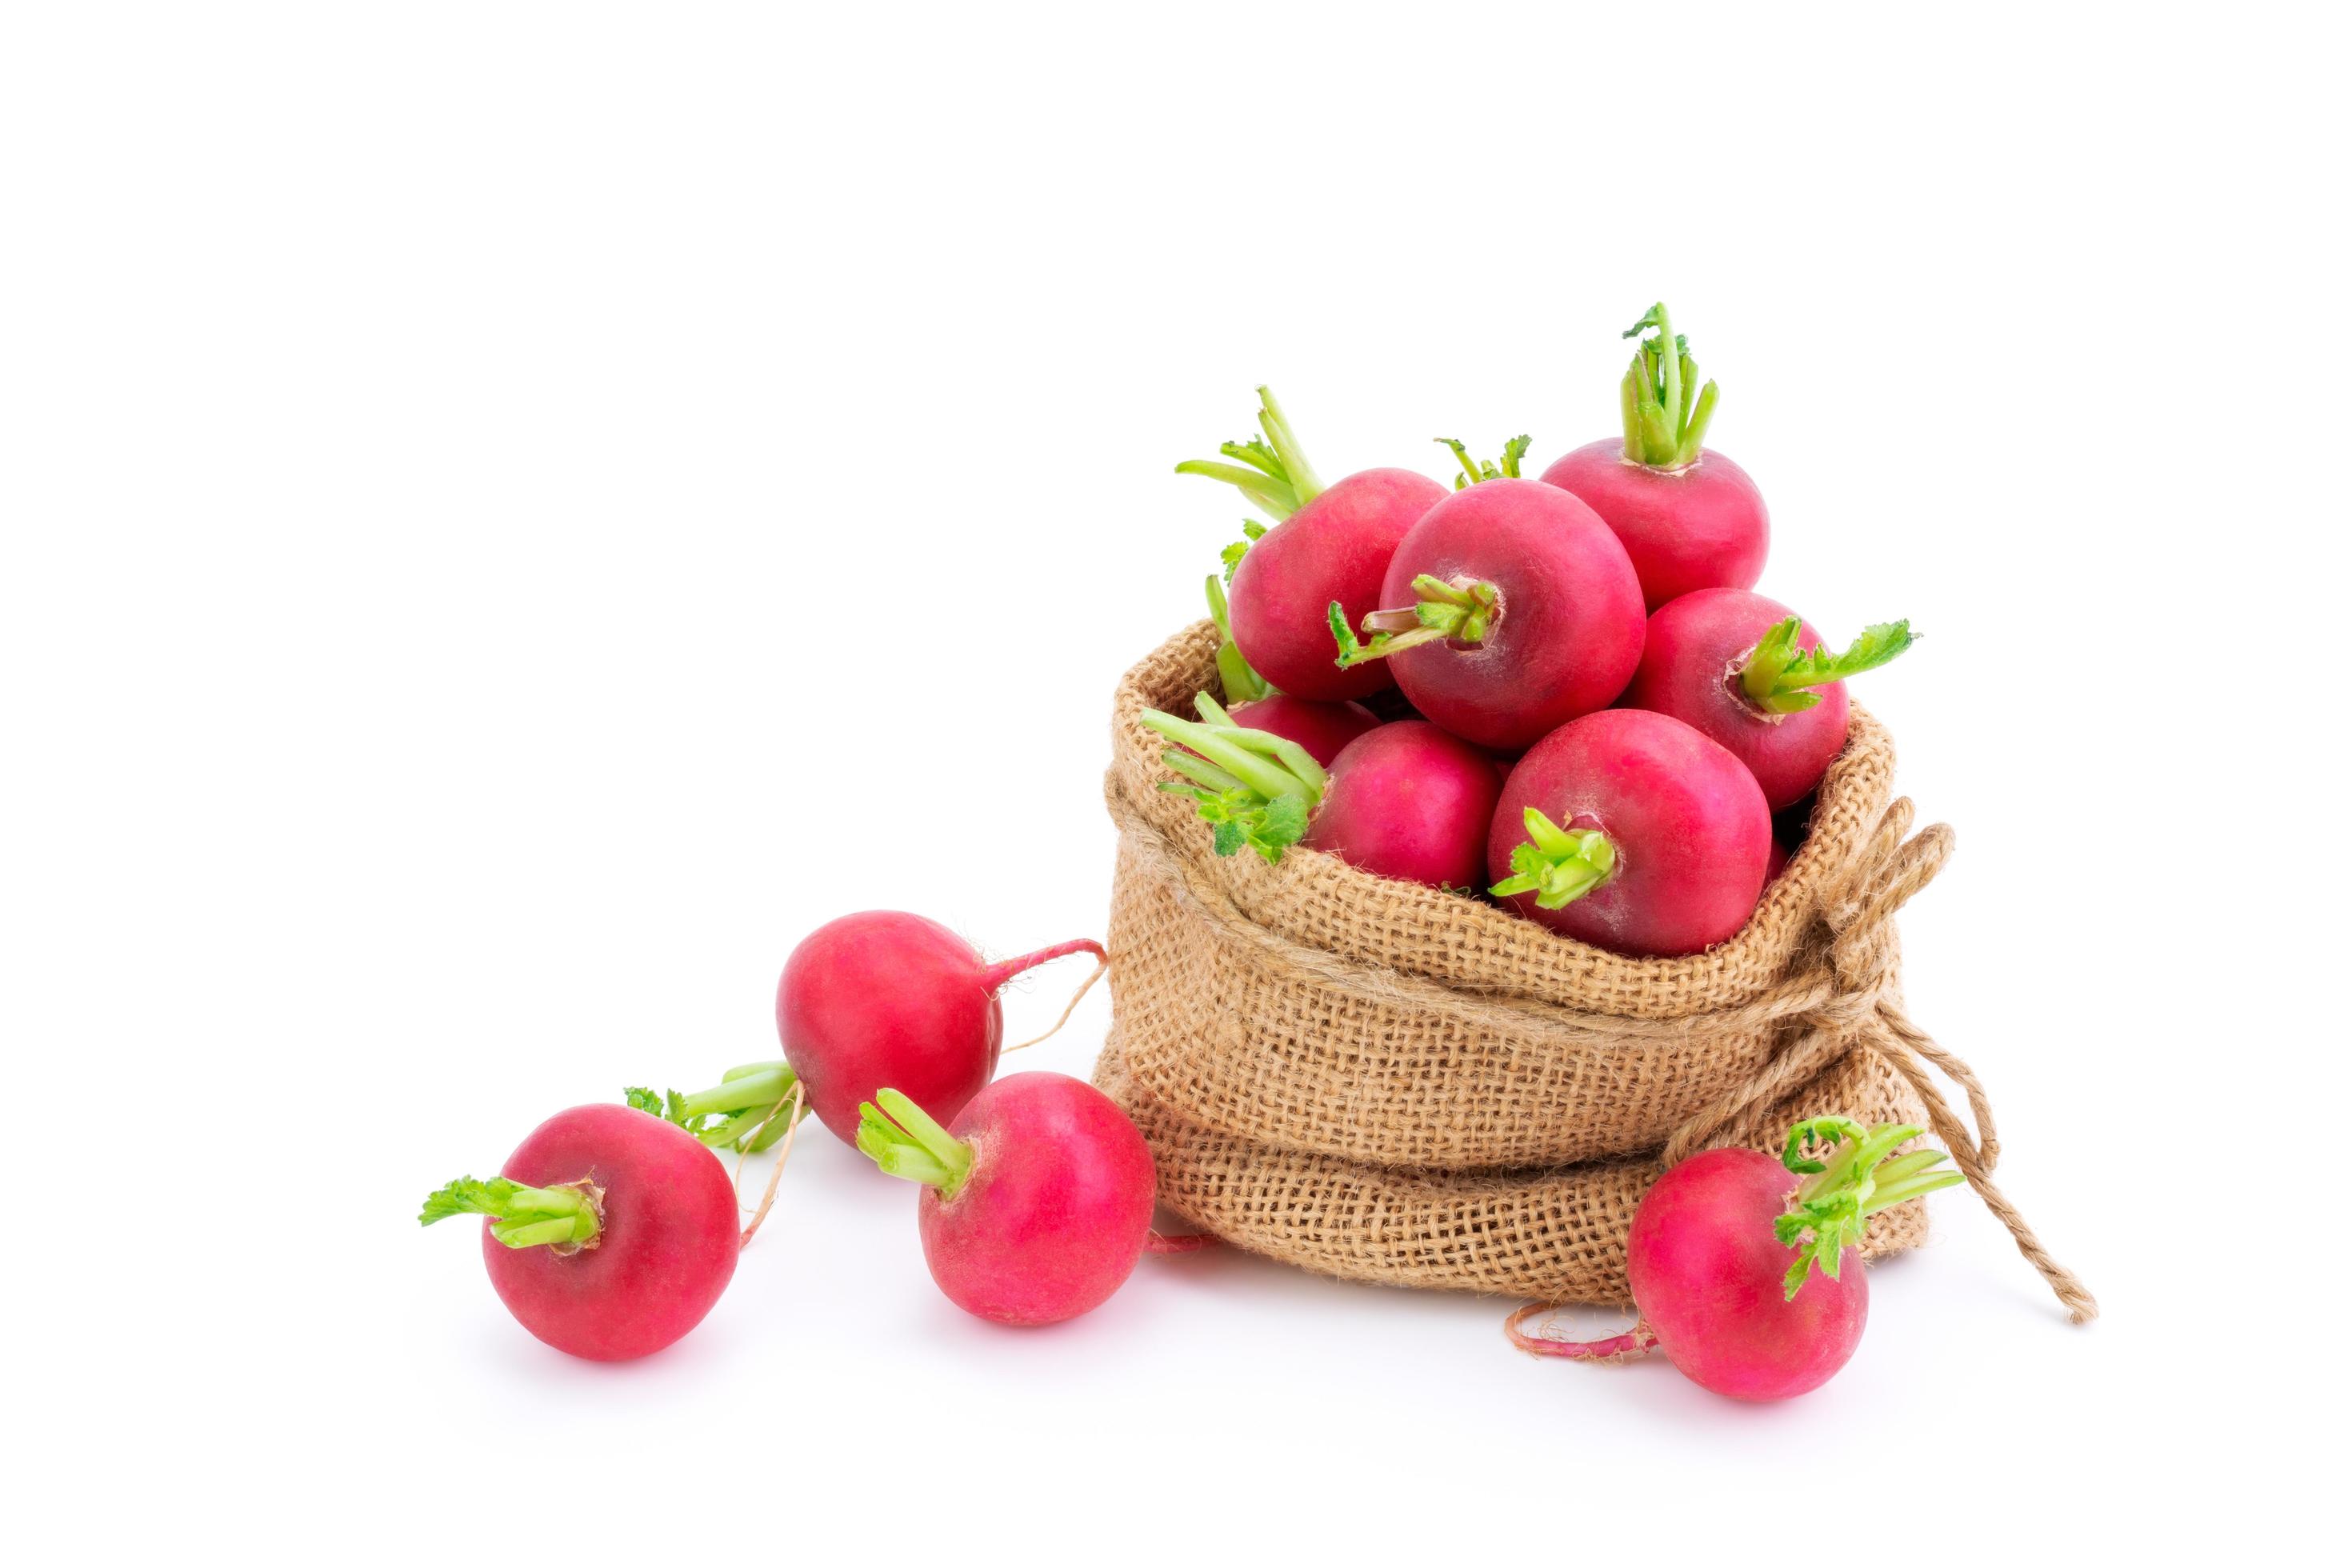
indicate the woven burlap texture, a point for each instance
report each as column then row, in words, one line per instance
column 1557, row 1235
column 1427, row 1089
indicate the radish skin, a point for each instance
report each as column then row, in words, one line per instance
column 884, row 997
column 1633, row 832
column 1036, row 1203
column 609, row 1235
column 1411, row 802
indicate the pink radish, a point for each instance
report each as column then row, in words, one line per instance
column 889, row 998
column 1328, row 543
column 609, row 1234
column 1748, row 674
column 1037, row 1201
column 1409, row 801
column 1633, row 832
column 1746, row 1273
column 1406, row 800
column 1776, row 862
column 1690, row 518
column 1510, row 609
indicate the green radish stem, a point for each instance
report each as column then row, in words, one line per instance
column 1840, row 1193
column 1666, row 412
column 1775, row 674
column 1242, row 683
column 1476, row 472
column 566, row 1218
column 1463, row 611
column 1272, row 471
column 900, row 1137
column 1558, row 864
column 1255, row 789
column 730, row 1115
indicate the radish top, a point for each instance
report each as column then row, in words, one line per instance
column 1473, row 472
column 1776, row 675
column 1255, row 789
column 1666, row 411
column 567, row 1217
column 1272, row 471
column 743, row 1112
column 1558, row 864
column 1840, row 1194
column 905, row 1140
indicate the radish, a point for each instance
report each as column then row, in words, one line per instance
column 1409, row 801
column 1328, row 543
column 1406, row 800
column 1038, row 1199
column 884, row 997
column 1512, row 610
column 1744, row 1269
column 1633, row 832
column 609, row 1234
column 1321, row 727
column 1750, row 675
column 1690, row 518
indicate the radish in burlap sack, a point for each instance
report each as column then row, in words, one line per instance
column 1388, row 1082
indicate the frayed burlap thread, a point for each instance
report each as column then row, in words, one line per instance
column 1383, row 1081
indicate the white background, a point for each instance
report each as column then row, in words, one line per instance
column 515, row 513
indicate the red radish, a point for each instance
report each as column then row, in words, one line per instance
column 609, row 1234
column 1690, row 518
column 1328, row 543
column 1748, row 674
column 1633, row 832
column 1513, row 610
column 1409, row 801
column 1406, row 799
column 1322, row 728
column 1037, row 1201
column 1776, row 862
column 1746, row 1273
column 885, row 997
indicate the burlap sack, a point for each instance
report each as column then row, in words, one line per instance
column 1384, row 1081
column 1557, row 1235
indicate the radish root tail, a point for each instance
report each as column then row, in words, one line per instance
column 1633, row 1344
column 1102, row 967
column 1159, row 1246
column 789, row 1107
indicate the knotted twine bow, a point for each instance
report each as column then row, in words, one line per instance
column 1865, row 1013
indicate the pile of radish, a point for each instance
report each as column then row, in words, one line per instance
column 1590, row 639
column 1560, row 693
